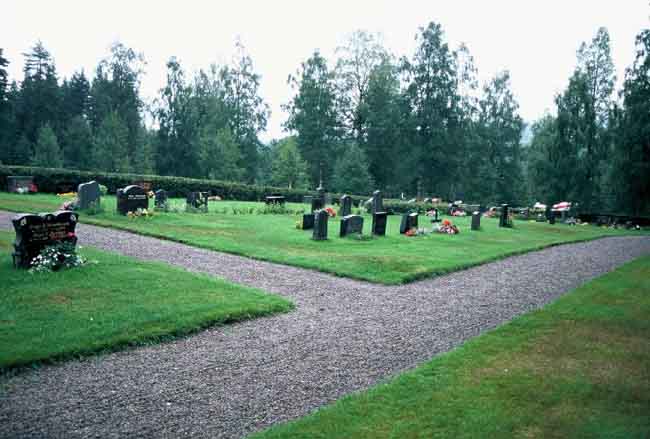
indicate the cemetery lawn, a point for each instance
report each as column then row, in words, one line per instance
column 116, row 302
column 580, row 367
column 392, row 259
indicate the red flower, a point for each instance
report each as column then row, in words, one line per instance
column 331, row 212
column 71, row 235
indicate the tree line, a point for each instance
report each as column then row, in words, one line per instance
column 370, row 119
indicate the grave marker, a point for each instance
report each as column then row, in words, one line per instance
column 409, row 221
column 308, row 221
column 35, row 232
column 197, row 200
column 19, row 183
column 351, row 224
column 320, row 225
column 160, row 200
column 131, row 198
column 379, row 221
column 503, row 219
column 274, row 199
column 377, row 202
column 346, row 205
column 476, row 220
column 88, row 194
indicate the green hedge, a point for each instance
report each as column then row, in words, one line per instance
column 53, row 180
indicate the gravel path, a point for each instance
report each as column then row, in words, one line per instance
column 344, row 336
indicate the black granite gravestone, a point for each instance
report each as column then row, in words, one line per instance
column 35, row 232
column 551, row 217
column 320, row 225
column 504, row 221
column 351, row 224
column 88, row 195
column 131, row 198
column 379, row 220
column 476, row 220
column 346, row 205
column 160, row 200
column 308, row 221
column 377, row 202
column 274, row 199
column 435, row 218
column 409, row 221
column 198, row 201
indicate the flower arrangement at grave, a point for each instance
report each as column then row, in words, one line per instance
column 331, row 212
column 151, row 194
column 67, row 194
column 57, row 256
column 458, row 212
column 448, row 227
column 69, row 205
column 140, row 213
column 411, row 232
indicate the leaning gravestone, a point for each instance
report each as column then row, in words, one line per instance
column 35, row 232
column 19, row 183
column 377, row 202
column 476, row 220
column 88, row 195
column 160, row 200
column 409, row 221
column 503, row 219
column 351, row 224
column 346, row 205
column 308, row 221
column 320, row 225
column 197, row 200
column 131, row 198
column 379, row 221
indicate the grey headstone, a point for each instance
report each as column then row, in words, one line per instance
column 377, row 202
column 131, row 198
column 88, row 194
column 476, row 220
column 320, row 225
column 351, row 224
column 409, row 221
column 379, row 220
column 346, row 205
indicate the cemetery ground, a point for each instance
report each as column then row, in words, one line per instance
column 577, row 368
column 234, row 227
column 114, row 302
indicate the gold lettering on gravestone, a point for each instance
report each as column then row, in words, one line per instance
column 49, row 232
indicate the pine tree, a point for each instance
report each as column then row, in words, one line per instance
column 351, row 172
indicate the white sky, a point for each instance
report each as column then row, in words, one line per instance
column 535, row 40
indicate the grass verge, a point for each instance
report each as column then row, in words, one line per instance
column 115, row 302
column 580, row 367
column 392, row 259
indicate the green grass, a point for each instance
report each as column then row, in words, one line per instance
column 579, row 367
column 116, row 302
column 390, row 260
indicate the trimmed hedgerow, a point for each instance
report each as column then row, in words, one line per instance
column 53, row 180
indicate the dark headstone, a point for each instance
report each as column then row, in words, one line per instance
column 540, row 218
column 274, row 199
column 503, row 219
column 379, row 220
column 146, row 185
column 409, row 221
column 320, row 225
column 35, row 232
column 551, row 217
column 197, row 200
column 377, row 202
column 317, row 203
column 19, row 183
column 88, row 195
column 476, row 220
column 351, row 224
column 346, row 205
column 131, row 198
column 435, row 218
column 160, row 200
column 308, row 221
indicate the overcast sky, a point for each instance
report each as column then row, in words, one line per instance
column 535, row 40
